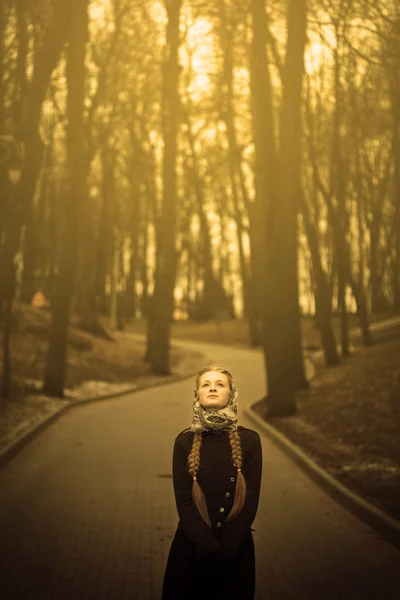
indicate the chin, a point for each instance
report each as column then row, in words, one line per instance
column 214, row 406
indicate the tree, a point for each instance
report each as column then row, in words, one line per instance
column 162, row 305
column 54, row 379
column 281, row 327
column 26, row 120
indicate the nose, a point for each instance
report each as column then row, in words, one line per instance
column 213, row 387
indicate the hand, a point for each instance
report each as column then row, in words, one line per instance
column 217, row 560
column 225, row 559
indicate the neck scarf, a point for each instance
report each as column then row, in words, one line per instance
column 215, row 419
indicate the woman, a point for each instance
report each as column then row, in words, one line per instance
column 217, row 476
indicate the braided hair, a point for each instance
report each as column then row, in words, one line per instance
column 237, row 460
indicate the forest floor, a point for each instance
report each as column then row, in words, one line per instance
column 96, row 366
column 348, row 421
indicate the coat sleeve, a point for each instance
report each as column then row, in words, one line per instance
column 235, row 531
column 191, row 522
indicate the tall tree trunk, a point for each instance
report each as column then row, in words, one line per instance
column 362, row 308
column 151, row 218
column 114, row 283
column 136, row 227
column 28, row 283
column 104, row 238
column 138, row 174
column 360, row 225
column 212, row 294
column 281, row 315
column 144, row 278
column 54, row 379
column 339, row 241
column 342, row 308
column 131, row 300
column 265, row 168
column 378, row 195
column 163, row 297
column 322, row 289
column 338, row 189
column 46, row 58
column 287, row 210
column 3, row 23
column 395, row 100
column 374, row 260
column 235, row 172
column 19, row 199
column 86, row 303
column 7, row 281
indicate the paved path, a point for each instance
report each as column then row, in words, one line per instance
column 87, row 509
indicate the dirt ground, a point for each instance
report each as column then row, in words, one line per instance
column 349, row 421
column 96, row 366
column 116, row 358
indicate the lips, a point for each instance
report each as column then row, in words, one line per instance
column 212, row 396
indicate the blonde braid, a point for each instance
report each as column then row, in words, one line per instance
column 194, row 464
column 236, row 446
column 240, row 486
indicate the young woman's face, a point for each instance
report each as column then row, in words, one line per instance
column 214, row 390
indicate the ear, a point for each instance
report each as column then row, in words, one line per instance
column 195, row 394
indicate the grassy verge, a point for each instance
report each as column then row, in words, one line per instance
column 349, row 421
column 119, row 358
column 95, row 367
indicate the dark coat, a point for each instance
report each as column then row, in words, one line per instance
column 188, row 576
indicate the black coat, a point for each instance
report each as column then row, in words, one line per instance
column 188, row 574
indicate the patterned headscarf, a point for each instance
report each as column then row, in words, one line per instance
column 215, row 419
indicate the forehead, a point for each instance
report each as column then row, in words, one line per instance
column 214, row 376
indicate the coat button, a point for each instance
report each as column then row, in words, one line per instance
column 232, row 479
column 221, row 509
column 219, row 524
column 227, row 494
